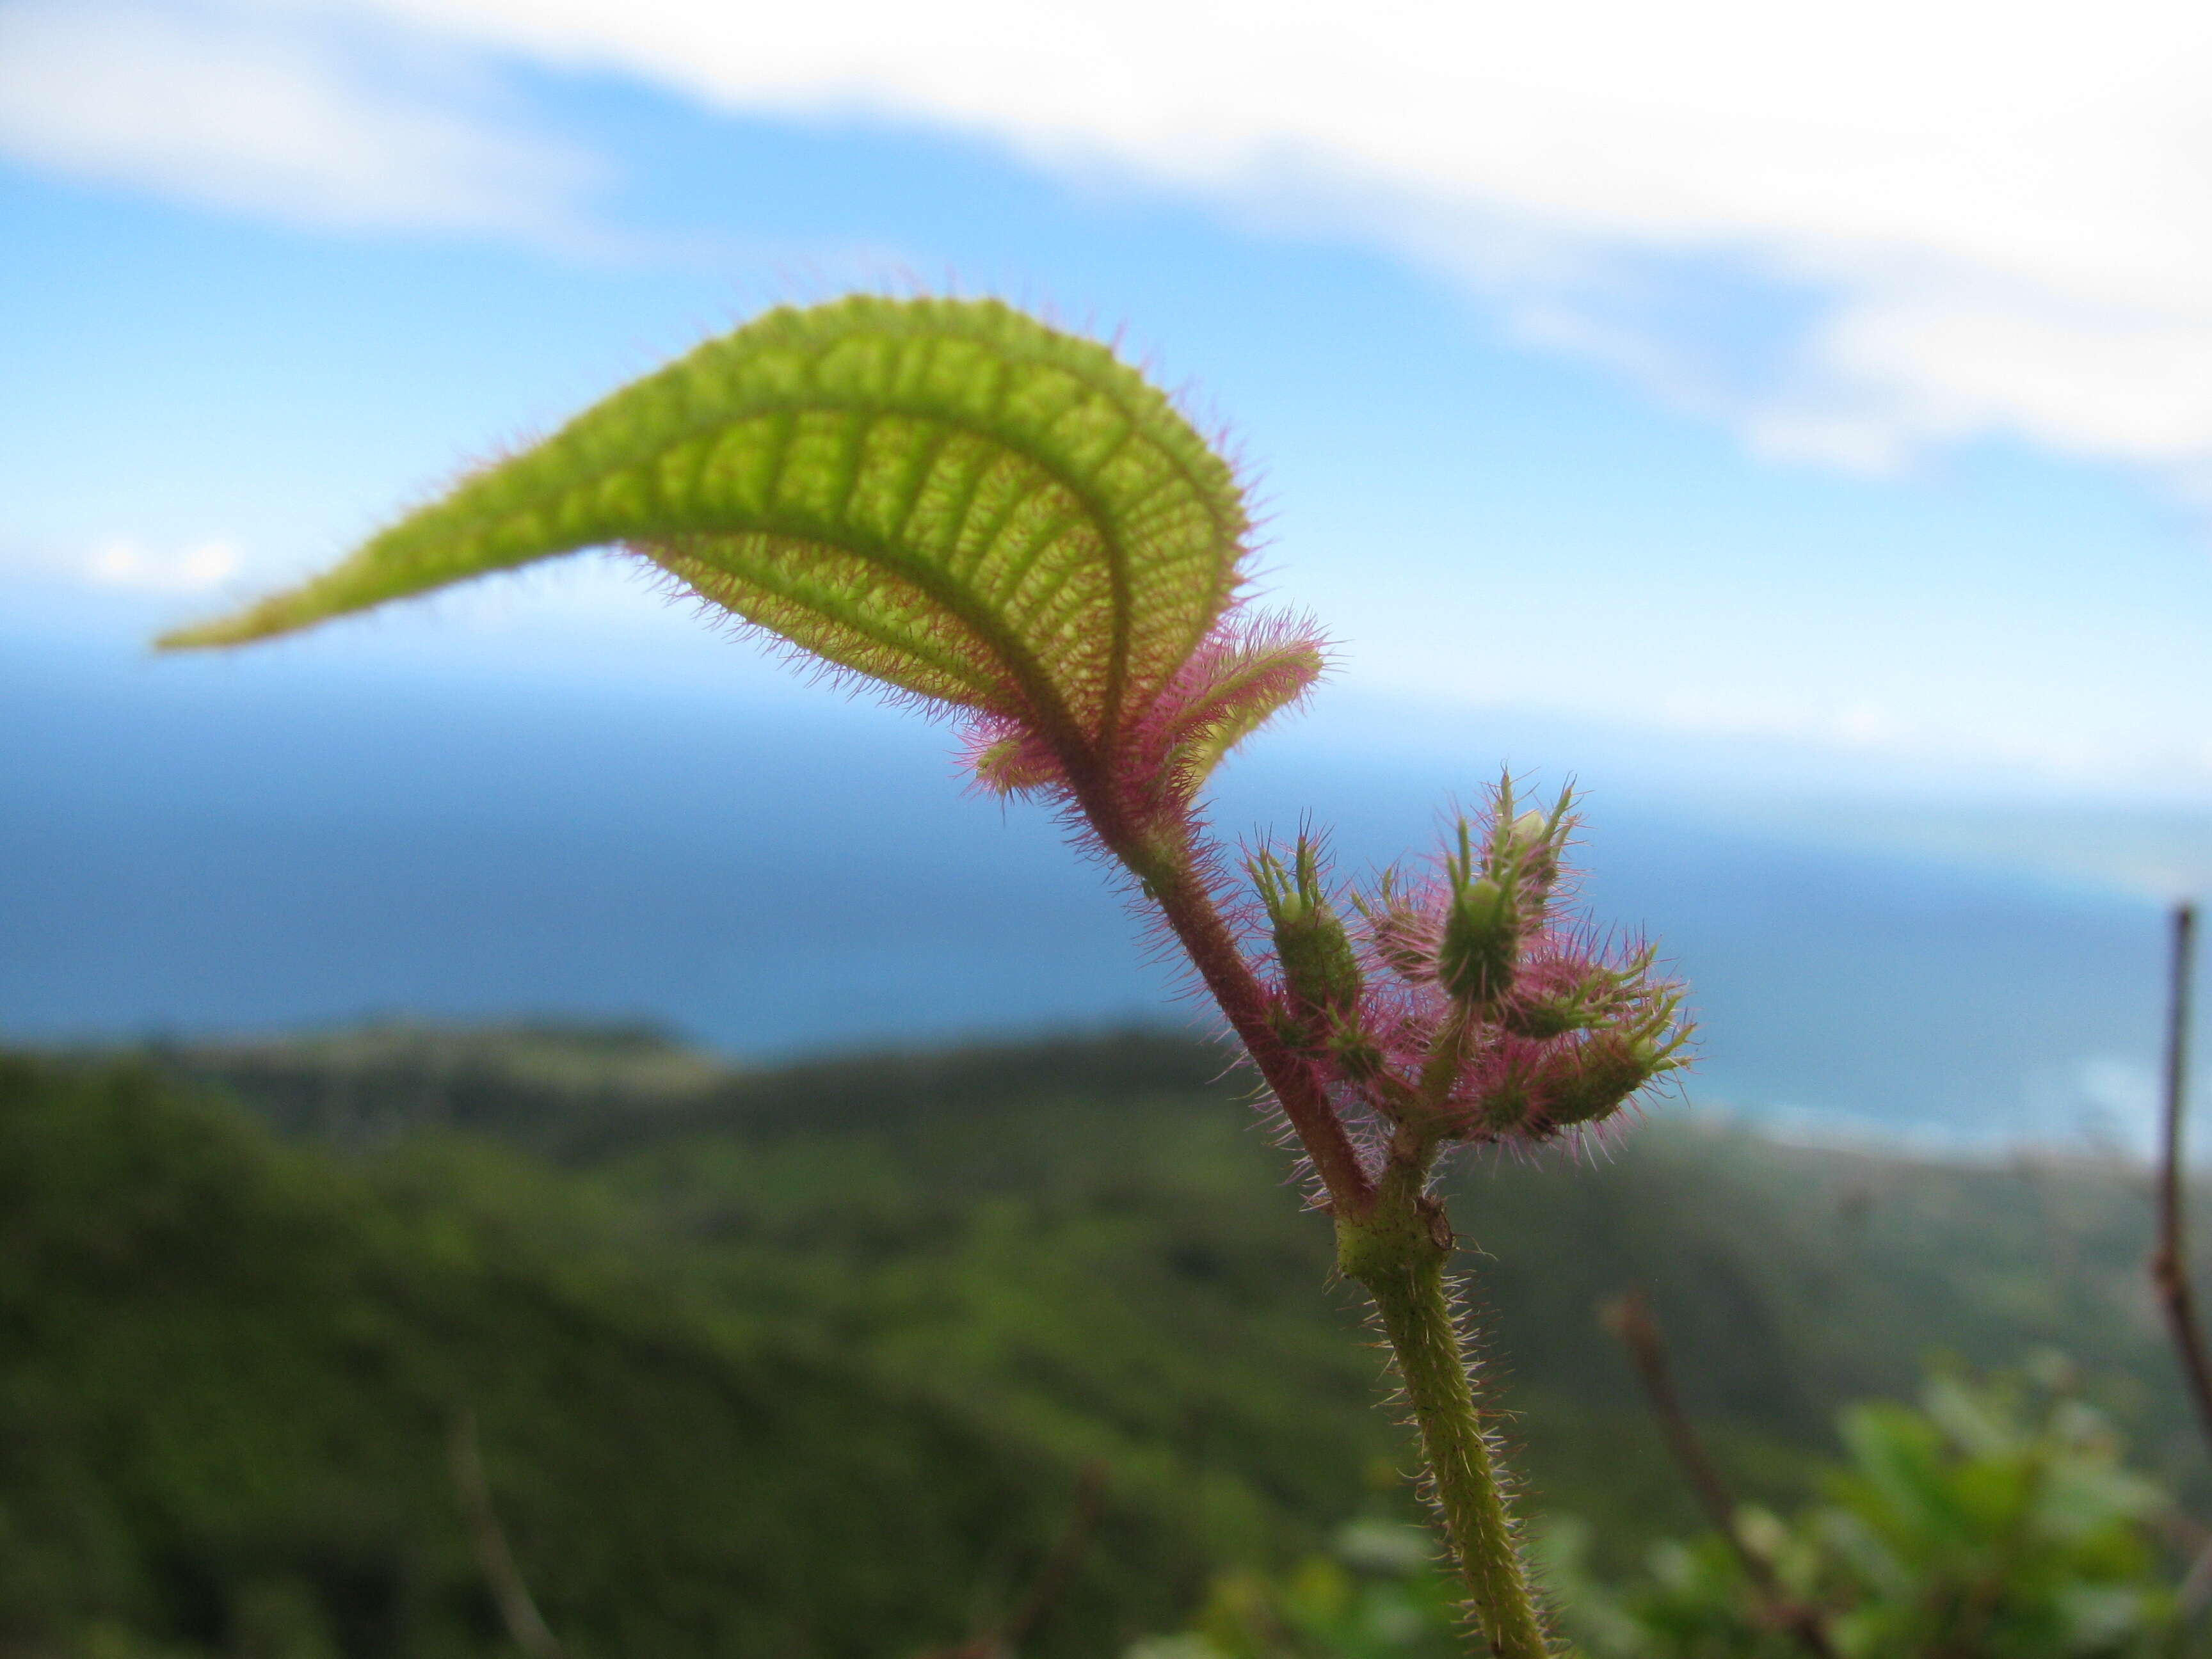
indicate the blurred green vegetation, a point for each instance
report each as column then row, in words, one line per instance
column 1995, row 1520
column 808, row 1361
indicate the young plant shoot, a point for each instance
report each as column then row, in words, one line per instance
column 979, row 512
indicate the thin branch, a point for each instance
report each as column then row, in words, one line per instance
column 2195, row 1589
column 494, row 1559
column 1052, row 1578
column 2169, row 1263
column 1630, row 1319
column 1060, row 1566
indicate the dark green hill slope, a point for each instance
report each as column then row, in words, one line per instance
column 989, row 1267
column 1096, row 1227
column 229, row 1372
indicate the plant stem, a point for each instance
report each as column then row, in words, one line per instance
column 1391, row 1238
column 1398, row 1252
column 1175, row 886
column 1631, row 1321
column 2169, row 1263
column 518, row 1611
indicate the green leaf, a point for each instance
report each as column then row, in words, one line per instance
column 944, row 495
column 1248, row 684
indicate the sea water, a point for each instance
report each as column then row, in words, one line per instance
column 206, row 847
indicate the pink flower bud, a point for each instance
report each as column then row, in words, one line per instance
column 1499, row 1019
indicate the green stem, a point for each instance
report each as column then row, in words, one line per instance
column 1398, row 1251
column 1391, row 1237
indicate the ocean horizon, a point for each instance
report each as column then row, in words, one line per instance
column 190, row 850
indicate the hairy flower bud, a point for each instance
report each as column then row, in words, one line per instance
column 1509, row 1105
column 1354, row 1049
column 1481, row 941
column 1574, row 994
column 1318, row 968
column 1404, row 935
column 1529, row 845
column 1593, row 1079
column 1006, row 759
column 1547, row 1016
column 1497, row 902
column 1535, row 1088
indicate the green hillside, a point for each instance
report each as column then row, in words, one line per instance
column 229, row 1371
column 808, row 1361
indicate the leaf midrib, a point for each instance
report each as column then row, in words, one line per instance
column 957, row 599
column 788, row 409
column 1004, row 358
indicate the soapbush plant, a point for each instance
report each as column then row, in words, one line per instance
column 983, row 515
column 1998, row 1518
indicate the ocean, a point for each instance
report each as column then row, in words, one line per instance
column 212, row 848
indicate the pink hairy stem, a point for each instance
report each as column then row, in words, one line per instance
column 1392, row 1237
column 1205, row 938
column 1166, row 862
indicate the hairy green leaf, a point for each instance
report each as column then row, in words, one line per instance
column 944, row 495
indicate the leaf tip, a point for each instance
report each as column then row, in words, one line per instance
column 240, row 628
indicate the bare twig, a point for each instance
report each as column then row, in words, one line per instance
column 2169, row 1263
column 494, row 1559
column 2186, row 1535
column 1630, row 1319
column 2195, row 1586
column 1066, row 1555
column 1045, row 1589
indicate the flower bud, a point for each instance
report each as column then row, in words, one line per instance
column 1404, row 937
column 1355, row 1051
column 1481, row 941
column 1528, row 847
column 1537, row 1095
column 1524, row 847
column 1506, row 1106
column 1594, row 1079
column 1008, row 759
column 1592, row 993
column 1547, row 1016
column 1318, row 968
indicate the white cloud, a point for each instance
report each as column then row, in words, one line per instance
column 193, row 567
column 242, row 111
column 1990, row 218
column 2003, row 214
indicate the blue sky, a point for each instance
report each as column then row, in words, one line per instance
column 1796, row 422
column 1776, row 403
